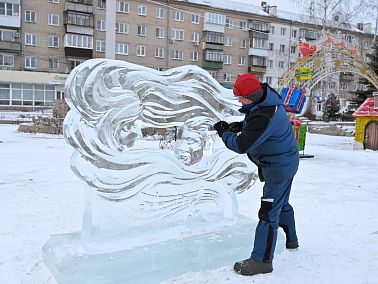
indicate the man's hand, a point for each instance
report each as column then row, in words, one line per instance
column 236, row 126
column 221, row 127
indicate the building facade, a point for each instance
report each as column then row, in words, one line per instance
column 41, row 41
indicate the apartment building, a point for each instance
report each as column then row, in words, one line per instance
column 41, row 41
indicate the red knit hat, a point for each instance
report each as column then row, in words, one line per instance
column 248, row 86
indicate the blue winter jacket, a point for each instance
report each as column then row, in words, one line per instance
column 267, row 138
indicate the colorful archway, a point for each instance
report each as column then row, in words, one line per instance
column 323, row 64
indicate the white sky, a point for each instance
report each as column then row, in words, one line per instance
column 284, row 5
column 290, row 6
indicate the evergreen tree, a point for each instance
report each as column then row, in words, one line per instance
column 360, row 96
column 331, row 108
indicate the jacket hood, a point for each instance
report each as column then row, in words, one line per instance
column 270, row 98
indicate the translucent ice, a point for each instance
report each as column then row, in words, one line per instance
column 139, row 197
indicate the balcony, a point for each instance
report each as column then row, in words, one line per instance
column 79, row 6
column 78, row 23
column 10, row 46
column 206, row 64
column 78, row 52
column 208, row 45
column 347, row 77
column 263, row 52
column 257, row 69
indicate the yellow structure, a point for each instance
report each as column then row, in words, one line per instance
column 366, row 113
column 361, row 123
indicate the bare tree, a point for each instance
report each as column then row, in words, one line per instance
column 332, row 13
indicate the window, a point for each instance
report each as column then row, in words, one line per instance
column 122, row 6
column 159, row 32
column 283, row 31
column 122, row 48
column 142, row 10
column 30, row 16
column 258, row 61
column 101, row 25
column 53, row 63
column 259, row 26
column 141, row 50
column 227, row 59
column 215, row 18
column 194, row 56
column 30, row 39
column 270, row 63
column 30, row 62
column 177, row 54
column 213, row 73
column 195, row 38
column 6, row 35
column 159, row 52
column 228, row 41
column 319, row 106
column 141, row 30
column 178, row 15
column 227, row 77
column 269, row 80
column 54, row 1
column 79, row 19
column 272, row 30
column 243, row 43
column 195, row 18
column 243, row 25
column 291, row 64
column 53, row 20
column 281, row 64
column 260, row 43
column 53, row 41
column 241, row 61
column 344, row 86
column 216, row 56
column 101, row 4
column 229, row 24
column 177, row 34
column 271, row 46
column 293, row 49
column 79, row 41
column 282, row 48
column 8, row 9
column 75, row 62
column 5, row 94
column 294, row 33
column 6, row 60
column 214, row 37
column 160, row 13
column 100, row 46
column 122, row 28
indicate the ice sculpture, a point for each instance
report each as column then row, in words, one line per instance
column 150, row 213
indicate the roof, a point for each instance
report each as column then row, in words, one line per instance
column 367, row 108
column 234, row 5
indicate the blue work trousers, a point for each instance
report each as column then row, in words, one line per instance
column 275, row 211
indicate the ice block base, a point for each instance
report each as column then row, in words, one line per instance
column 202, row 250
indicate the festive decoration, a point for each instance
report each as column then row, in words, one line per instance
column 293, row 99
column 304, row 73
column 327, row 41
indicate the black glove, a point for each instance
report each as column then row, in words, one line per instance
column 236, row 126
column 221, row 127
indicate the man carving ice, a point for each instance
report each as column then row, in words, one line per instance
column 267, row 138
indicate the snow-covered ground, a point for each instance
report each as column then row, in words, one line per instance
column 335, row 197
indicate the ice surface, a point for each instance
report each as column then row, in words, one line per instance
column 135, row 189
